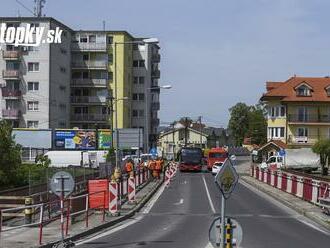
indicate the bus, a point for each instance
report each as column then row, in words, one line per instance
column 218, row 154
column 190, row 159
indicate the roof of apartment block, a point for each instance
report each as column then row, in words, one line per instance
column 286, row 91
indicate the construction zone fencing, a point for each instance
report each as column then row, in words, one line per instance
column 82, row 206
column 306, row 188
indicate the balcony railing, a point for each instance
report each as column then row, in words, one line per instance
column 89, row 64
column 11, row 55
column 11, row 113
column 88, row 99
column 309, row 118
column 155, row 73
column 10, row 74
column 155, row 106
column 89, row 117
column 89, row 82
column 89, row 47
column 155, row 58
column 10, row 93
column 305, row 140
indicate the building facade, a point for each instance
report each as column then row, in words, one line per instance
column 81, row 81
column 35, row 81
column 298, row 110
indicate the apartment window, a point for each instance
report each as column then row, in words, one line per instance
column 135, row 113
column 276, row 132
column 110, row 75
column 62, row 106
column 141, row 63
column 302, row 132
column 92, row 39
column 110, row 58
column 33, row 86
column 85, row 74
column 62, row 123
column 135, row 97
column 135, row 63
column 33, row 105
column 62, row 87
column 276, row 111
column 63, row 51
column 141, row 97
column 33, row 66
column 85, row 57
column 141, row 80
column 32, row 124
column 136, row 80
column 110, row 39
column 63, row 69
column 135, row 47
column 83, row 38
column 141, row 113
column 328, row 91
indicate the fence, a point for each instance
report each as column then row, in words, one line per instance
column 68, row 209
column 306, row 188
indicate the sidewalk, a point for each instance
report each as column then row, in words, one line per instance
column 303, row 207
column 29, row 236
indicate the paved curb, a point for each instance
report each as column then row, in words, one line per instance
column 130, row 214
column 303, row 212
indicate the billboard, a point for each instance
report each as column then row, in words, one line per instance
column 129, row 138
column 74, row 139
column 33, row 138
column 104, row 139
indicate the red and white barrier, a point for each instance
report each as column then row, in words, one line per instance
column 113, row 198
column 131, row 189
column 167, row 177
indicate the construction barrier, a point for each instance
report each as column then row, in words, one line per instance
column 305, row 188
column 131, row 189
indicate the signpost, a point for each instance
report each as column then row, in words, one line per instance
column 214, row 232
column 62, row 185
column 226, row 180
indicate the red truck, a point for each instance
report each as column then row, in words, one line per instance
column 218, row 154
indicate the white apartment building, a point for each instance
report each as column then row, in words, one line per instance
column 145, row 90
column 35, row 81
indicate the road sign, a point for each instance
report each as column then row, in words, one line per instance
column 62, row 181
column 153, row 151
column 226, row 178
column 215, row 236
column 281, row 152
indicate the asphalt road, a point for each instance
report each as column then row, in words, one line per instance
column 182, row 215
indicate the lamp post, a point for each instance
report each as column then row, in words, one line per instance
column 166, row 87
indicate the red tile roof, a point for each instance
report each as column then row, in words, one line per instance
column 285, row 91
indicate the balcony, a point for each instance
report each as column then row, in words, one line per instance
column 155, row 122
column 155, row 58
column 88, row 82
column 304, row 140
column 11, row 114
column 9, row 93
column 11, row 55
column 88, row 99
column 91, row 47
column 89, row 117
column 90, row 64
column 10, row 74
column 292, row 119
column 155, row 73
column 155, row 106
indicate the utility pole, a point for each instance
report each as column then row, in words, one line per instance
column 200, row 130
column 39, row 4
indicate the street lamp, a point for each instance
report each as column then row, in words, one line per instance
column 165, row 87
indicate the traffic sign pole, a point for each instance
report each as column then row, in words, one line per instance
column 62, row 208
column 223, row 222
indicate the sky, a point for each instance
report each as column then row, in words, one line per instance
column 214, row 53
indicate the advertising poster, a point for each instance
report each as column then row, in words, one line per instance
column 75, row 139
column 104, row 139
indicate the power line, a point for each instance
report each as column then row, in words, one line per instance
column 20, row 3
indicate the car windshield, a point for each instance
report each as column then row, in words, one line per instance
column 217, row 155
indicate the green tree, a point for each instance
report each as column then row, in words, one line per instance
column 257, row 125
column 10, row 155
column 239, row 122
column 322, row 147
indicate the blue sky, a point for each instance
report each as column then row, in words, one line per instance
column 215, row 53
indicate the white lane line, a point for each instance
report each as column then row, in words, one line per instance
column 313, row 226
column 153, row 200
column 179, row 203
column 208, row 195
column 116, row 229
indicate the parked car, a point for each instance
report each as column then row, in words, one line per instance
column 216, row 167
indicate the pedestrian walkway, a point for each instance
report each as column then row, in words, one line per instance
column 305, row 208
column 29, row 236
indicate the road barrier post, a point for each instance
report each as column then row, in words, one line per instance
column 228, row 234
column 131, row 190
column 28, row 211
column 113, row 198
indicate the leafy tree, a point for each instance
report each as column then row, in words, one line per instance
column 257, row 125
column 239, row 122
column 10, row 154
column 322, row 147
column 42, row 161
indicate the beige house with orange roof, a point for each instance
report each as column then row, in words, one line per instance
column 298, row 110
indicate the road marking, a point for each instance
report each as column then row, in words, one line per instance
column 153, row 200
column 179, row 203
column 116, row 229
column 208, row 195
column 313, row 226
